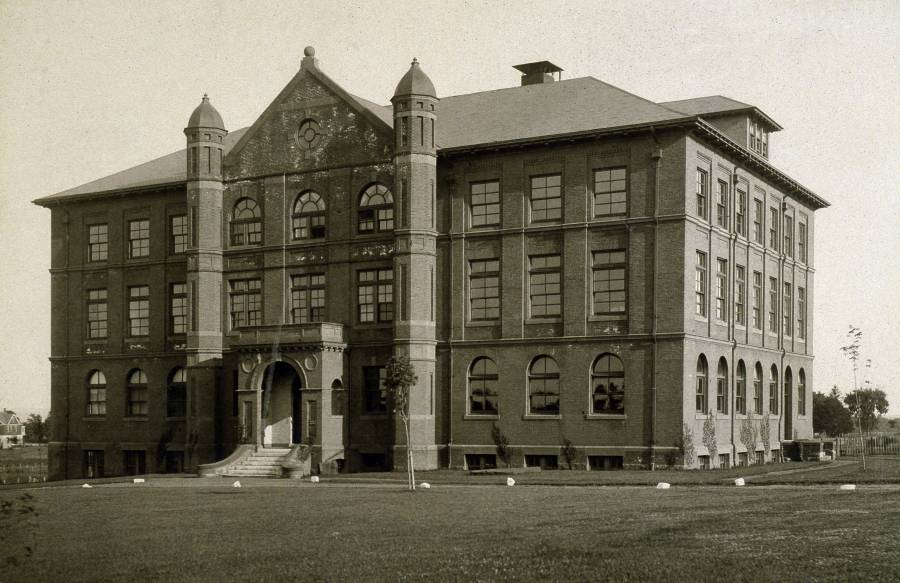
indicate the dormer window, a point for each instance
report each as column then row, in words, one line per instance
column 759, row 139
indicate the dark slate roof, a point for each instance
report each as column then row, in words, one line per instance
column 206, row 116
column 484, row 119
column 543, row 109
column 415, row 82
column 715, row 105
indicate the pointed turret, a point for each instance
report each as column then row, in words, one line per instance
column 415, row 172
column 205, row 135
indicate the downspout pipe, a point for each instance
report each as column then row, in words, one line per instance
column 66, row 222
column 656, row 157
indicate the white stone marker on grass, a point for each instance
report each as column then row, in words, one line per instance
column 314, row 479
column 848, row 487
column 237, row 484
column 425, row 485
column 739, row 482
column 87, row 486
column 510, row 482
column 139, row 480
column 663, row 486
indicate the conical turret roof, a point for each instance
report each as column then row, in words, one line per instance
column 206, row 116
column 415, row 82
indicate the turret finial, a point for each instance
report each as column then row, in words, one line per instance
column 415, row 62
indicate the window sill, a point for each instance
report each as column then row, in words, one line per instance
column 617, row 317
column 373, row 326
column 605, row 416
column 483, row 323
column 549, row 320
column 135, row 418
column 533, row 417
column 701, row 415
column 182, row 418
column 94, row 418
column 475, row 416
column 703, row 319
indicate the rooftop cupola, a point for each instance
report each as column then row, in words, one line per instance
column 206, row 116
column 415, row 82
column 539, row 72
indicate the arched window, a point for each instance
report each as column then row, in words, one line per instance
column 137, row 394
column 483, row 387
column 788, row 391
column 96, row 394
column 246, row 224
column 801, row 393
column 308, row 220
column 702, row 385
column 608, row 381
column 543, row 386
column 740, row 389
column 773, row 390
column 758, row 389
column 722, row 386
column 176, row 394
column 376, row 210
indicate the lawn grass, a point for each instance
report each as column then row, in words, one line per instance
column 270, row 530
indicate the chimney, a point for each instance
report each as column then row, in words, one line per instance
column 539, row 72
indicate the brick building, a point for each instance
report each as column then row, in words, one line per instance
column 597, row 278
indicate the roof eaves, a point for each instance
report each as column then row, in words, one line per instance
column 54, row 200
column 762, row 164
column 566, row 137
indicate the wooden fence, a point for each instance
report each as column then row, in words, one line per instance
column 23, row 472
column 874, row 443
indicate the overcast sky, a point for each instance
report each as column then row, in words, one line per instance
column 91, row 88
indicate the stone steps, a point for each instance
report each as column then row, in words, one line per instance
column 264, row 463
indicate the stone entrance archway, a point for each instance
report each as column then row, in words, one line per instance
column 281, row 411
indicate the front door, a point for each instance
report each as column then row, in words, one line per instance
column 280, row 415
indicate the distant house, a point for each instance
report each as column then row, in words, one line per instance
column 12, row 431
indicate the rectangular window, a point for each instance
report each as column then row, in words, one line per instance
column 135, row 462
column 758, row 221
column 702, row 192
column 375, row 396
column 721, row 289
column 375, row 295
column 801, row 242
column 773, row 228
column 484, row 289
column 757, row 300
column 485, row 203
column 246, row 302
column 93, row 463
column 610, row 192
column 139, row 310
column 789, row 236
column 801, row 313
column 179, row 233
column 307, row 298
column 544, row 286
column 787, row 310
column 724, row 462
column 98, row 242
column 97, row 313
column 139, row 238
column 740, row 213
column 546, row 198
column 178, row 308
column 700, row 284
column 609, row 287
column 773, row 305
column 404, row 131
column 722, row 205
column 740, row 290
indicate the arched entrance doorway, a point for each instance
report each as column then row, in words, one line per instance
column 281, row 411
